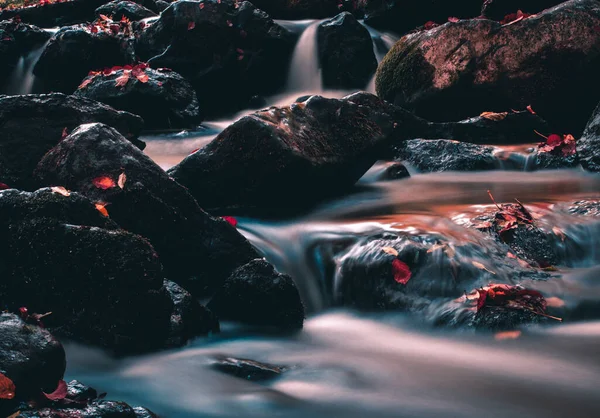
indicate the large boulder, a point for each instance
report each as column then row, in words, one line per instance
column 16, row 40
column 287, row 156
column 59, row 253
column 197, row 251
column 74, row 51
column 346, row 52
column 255, row 294
column 229, row 51
column 588, row 147
column 53, row 14
column 31, row 125
column 119, row 9
column 549, row 61
column 163, row 98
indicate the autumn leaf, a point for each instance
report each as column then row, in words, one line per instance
column 453, row 19
column 507, row 335
column 7, row 388
column 104, row 182
column 231, row 220
column 15, row 415
column 142, row 77
column 481, row 266
column 530, row 109
column 60, row 190
column 191, row 25
column 430, row 25
column 4, row 186
column 494, row 116
column 554, row 302
column 401, row 271
column 390, row 251
column 86, row 82
column 122, row 80
column 59, row 393
column 101, row 207
column 122, row 180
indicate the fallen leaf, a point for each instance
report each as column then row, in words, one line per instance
column 494, row 116
column 453, row 19
column 104, row 182
column 4, row 186
column 60, row 190
column 142, row 78
column 191, row 25
column 101, row 207
column 64, row 134
column 59, row 393
column 530, row 109
column 232, row 221
column 430, row 25
column 122, row 180
column 401, row 271
column 7, row 388
column 481, row 266
column 507, row 335
column 390, row 250
column 122, row 80
column 15, row 415
column 554, row 302
column 559, row 232
column 86, row 82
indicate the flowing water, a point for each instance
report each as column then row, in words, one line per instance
column 22, row 80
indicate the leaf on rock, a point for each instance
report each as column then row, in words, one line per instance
column 86, row 82
column 401, row 271
column 4, row 186
column 191, row 25
column 530, row 109
column 122, row 80
column 507, row 335
column 231, row 220
column 494, row 116
column 453, row 19
column 390, row 251
column 430, row 25
column 7, row 388
column 122, row 180
column 101, row 207
column 60, row 190
column 59, row 393
column 564, row 145
column 104, row 182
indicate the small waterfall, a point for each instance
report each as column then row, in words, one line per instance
column 305, row 74
column 21, row 80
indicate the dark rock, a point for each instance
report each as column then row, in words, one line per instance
column 346, row 52
column 229, row 51
column 55, row 14
column 118, row 9
column 299, row 9
column 31, row 125
column 16, row 40
column 98, row 409
column 32, row 358
column 188, row 319
column 165, row 100
column 445, row 155
column 554, row 161
column 161, row 5
column 282, row 157
column 247, row 369
column 498, row 9
column 255, row 294
column 586, row 208
column 464, row 68
column 74, row 51
column 197, row 250
column 394, row 171
column 588, row 146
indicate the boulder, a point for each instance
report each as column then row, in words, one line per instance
column 436, row 155
column 229, row 51
column 346, row 53
column 588, row 146
column 246, row 369
column 119, row 9
column 17, row 40
column 74, row 51
column 464, row 68
column 53, row 14
column 394, row 171
column 499, row 9
column 197, row 251
column 255, row 294
column 284, row 157
column 163, row 98
column 299, row 9
column 31, row 125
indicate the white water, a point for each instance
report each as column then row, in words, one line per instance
column 22, row 79
column 305, row 72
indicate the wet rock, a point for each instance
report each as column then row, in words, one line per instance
column 31, row 125
column 118, row 9
column 542, row 61
column 17, row 40
column 55, row 14
column 188, row 318
column 436, row 155
column 303, row 9
column 498, row 9
column 588, row 146
column 287, row 156
column 98, row 409
column 346, row 52
column 74, row 51
column 162, row 98
column 394, row 171
column 586, row 208
column 32, row 358
column 197, row 251
column 255, row 294
column 229, row 51
column 552, row 161
column 247, row 369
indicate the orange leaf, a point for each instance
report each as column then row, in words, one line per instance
column 494, row 116
column 104, row 182
column 122, row 180
column 60, row 190
column 123, row 79
column 507, row 335
column 530, row 109
column 7, row 388
column 86, row 82
column 101, row 207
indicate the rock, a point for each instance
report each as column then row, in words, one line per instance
column 59, row 14
column 554, row 161
column 229, row 51
column 104, row 286
column 31, row 125
column 543, row 61
column 163, row 98
column 197, row 251
column 118, row 9
column 97, row 409
column 498, row 9
column 32, row 358
column 255, row 294
column 394, row 171
column 346, row 52
column 436, row 155
column 281, row 157
column 588, row 146
column 247, row 369
column 74, row 51
column 585, row 208
column 401, row 16
column 302, row 9
column 188, row 319
column 16, row 40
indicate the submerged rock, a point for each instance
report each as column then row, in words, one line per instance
column 51, row 15
column 588, row 146
column 161, row 97
column 31, row 125
column 255, row 294
column 197, row 251
column 229, row 51
column 394, row 171
column 471, row 66
column 118, row 9
column 247, row 369
column 346, row 53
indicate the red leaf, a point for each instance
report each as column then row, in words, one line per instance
column 4, row 186
column 530, row 109
column 430, row 25
column 122, row 80
column 142, row 77
column 101, row 207
column 482, row 298
column 201, row 6
column 453, row 19
column 231, row 220
column 104, row 182
column 191, row 25
column 65, row 133
column 86, row 82
column 554, row 140
column 7, row 388
column 401, row 271
column 59, row 393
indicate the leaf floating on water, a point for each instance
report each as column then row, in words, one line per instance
column 231, row 220
column 104, row 182
column 122, row 180
column 494, row 116
column 401, row 271
column 7, row 387
column 481, row 266
column 390, row 251
column 507, row 335
column 59, row 393
column 60, row 190
column 101, row 207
